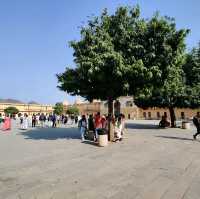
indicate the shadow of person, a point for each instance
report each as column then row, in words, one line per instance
column 52, row 133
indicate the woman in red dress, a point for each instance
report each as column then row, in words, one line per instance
column 6, row 124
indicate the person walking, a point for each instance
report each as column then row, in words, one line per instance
column 42, row 120
column 25, row 122
column 50, row 121
column 33, row 121
column 21, row 121
column 1, row 119
column 53, row 121
column 65, row 120
column 72, row 119
column 98, row 124
column 76, row 119
column 38, row 119
column 58, row 119
column 46, row 123
column 196, row 121
column 7, row 123
column 83, row 127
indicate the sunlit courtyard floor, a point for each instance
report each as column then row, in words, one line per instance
column 150, row 163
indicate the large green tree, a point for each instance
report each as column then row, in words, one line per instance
column 58, row 108
column 112, row 58
column 181, row 88
column 172, row 92
column 122, row 54
column 165, row 51
column 191, row 70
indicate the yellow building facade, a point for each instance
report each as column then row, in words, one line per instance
column 29, row 109
column 156, row 113
column 124, row 104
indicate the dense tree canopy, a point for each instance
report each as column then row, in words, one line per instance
column 100, row 57
column 58, row 108
column 169, row 95
column 11, row 110
column 192, row 66
column 191, row 69
column 183, row 88
column 72, row 110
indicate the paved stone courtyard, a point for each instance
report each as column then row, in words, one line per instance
column 150, row 163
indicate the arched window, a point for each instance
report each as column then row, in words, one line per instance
column 182, row 115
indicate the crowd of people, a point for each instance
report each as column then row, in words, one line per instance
column 96, row 123
column 48, row 120
column 87, row 123
column 42, row 120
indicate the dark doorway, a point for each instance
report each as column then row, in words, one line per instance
column 117, row 108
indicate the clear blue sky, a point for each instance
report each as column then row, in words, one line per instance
column 34, row 37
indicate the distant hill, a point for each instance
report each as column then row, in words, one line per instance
column 33, row 102
column 14, row 101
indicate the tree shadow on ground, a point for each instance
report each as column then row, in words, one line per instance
column 51, row 133
column 141, row 126
column 175, row 138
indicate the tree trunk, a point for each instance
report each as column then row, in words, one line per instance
column 110, row 125
column 173, row 117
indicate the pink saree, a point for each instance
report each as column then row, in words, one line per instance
column 6, row 124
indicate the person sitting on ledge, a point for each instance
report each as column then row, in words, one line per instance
column 118, row 129
column 164, row 122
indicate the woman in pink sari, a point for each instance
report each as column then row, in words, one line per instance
column 6, row 124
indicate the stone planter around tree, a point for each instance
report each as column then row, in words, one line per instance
column 102, row 137
column 185, row 125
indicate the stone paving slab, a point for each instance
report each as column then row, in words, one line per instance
column 150, row 163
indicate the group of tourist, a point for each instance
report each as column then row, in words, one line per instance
column 42, row 120
column 26, row 121
column 96, row 123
